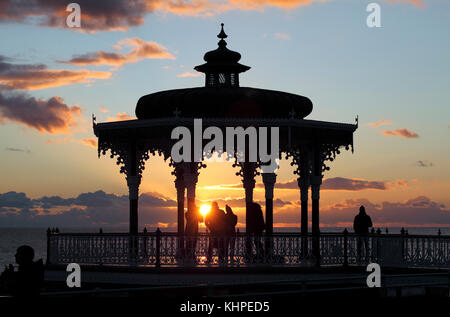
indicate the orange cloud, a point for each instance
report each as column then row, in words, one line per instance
column 417, row 3
column 380, row 123
column 404, row 133
column 121, row 116
column 140, row 50
column 37, row 76
column 120, row 15
column 189, row 74
column 90, row 142
column 282, row 36
column 34, row 80
column 46, row 116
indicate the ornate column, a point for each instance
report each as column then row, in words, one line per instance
column 269, row 180
column 248, row 171
column 190, row 179
column 303, row 185
column 133, row 182
column 181, row 189
column 131, row 153
column 316, row 181
column 301, row 159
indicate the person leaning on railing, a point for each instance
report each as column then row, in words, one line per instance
column 230, row 232
column 361, row 225
column 255, row 230
column 215, row 222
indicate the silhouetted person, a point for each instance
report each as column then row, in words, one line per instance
column 230, row 231
column 27, row 281
column 215, row 222
column 361, row 225
column 255, row 229
column 192, row 219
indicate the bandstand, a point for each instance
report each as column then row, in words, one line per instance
column 222, row 103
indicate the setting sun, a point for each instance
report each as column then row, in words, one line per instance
column 204, row 209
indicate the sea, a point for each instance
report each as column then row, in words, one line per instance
column 12, row 238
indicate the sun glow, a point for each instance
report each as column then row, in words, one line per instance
column 204, row 209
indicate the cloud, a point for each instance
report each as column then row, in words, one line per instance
column 90, row 142
column 417, row 3
column 13, row 199
column 240, row 202
column 282, row 36
column 399, row 183
column 189, row 74
column 86, row 210
column 424, row 163
column 333, row 183
column 95, row 15
column 418, row 211
column 103, row 109
column 120, row 15
column 140, row 50
column 404, row 133
column 94, row 209
column 37, row 76
column 121, row 116
column 12, row 149
column 46, row 116
column 380, row 123
column 341, row 183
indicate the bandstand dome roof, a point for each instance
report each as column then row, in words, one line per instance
column 222, row 96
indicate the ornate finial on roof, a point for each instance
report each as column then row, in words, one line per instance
column 222, row 35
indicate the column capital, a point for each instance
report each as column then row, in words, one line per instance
column 315, row 189
column 190, row 179
column 269, row 180
column 133, row 182
column 249, row 183
column 303, row 182
column 179, row 184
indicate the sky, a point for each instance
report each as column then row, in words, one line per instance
column 53, row 78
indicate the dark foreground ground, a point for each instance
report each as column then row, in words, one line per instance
column 254, row 282
column 225, row 291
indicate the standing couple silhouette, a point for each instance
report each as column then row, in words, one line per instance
column 222, row 229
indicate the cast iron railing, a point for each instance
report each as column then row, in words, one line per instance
column 279, row 249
